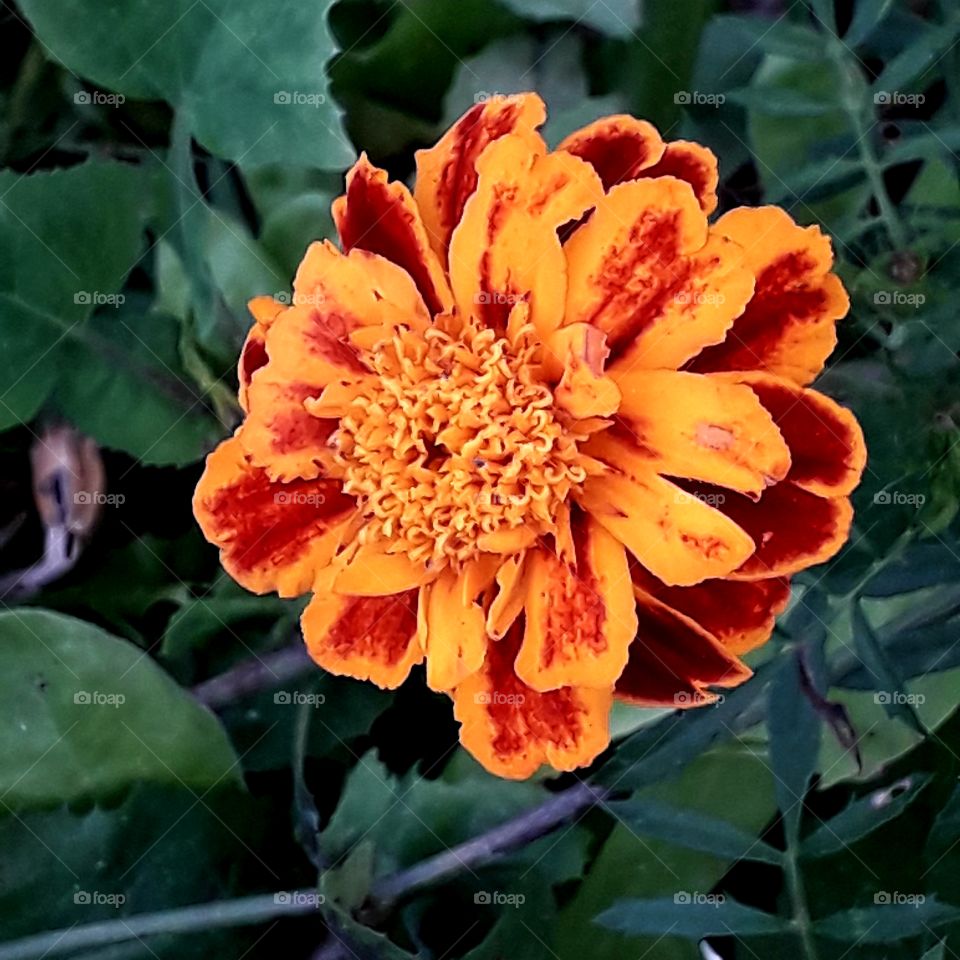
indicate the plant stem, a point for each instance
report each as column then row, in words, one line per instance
column 254, row 675
column 801, row 913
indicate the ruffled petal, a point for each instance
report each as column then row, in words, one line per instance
column 381, row 217
column 368, row 638
column 827, row 449
column 446, row 173
column 580, row 616
column 619, row 147
column 271, row 535
column 456, row 635
column 574, row 358
column 792, row 528
column 687, row 425
column 789, row 326
column 678, row 537
column 674, row 660
column 647, row 271
column 253, row 354
column 622, row 148
column 739, row 613
column 507, row 604
column 512, row 729
column 370, row 571
column 505, row 249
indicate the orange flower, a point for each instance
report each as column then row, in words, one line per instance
column 544, row 426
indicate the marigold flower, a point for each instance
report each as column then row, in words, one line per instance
column 543, row 426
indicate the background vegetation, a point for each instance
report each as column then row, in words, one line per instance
column 162, row 163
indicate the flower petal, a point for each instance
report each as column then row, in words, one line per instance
column 826, row 444
column 677, row 537
column 793, row 529
column 368, row 638
column 647, row 271
column 271, row 535
column 446, row 173
column 687, row 425
column 369, row 571
column 381, row 217
column 674, row 659
column 456, row 634
column 505, row 248
column 622, row 148
column 253, row 354
column 619, row 147
column 512, row 729
column 788, row 327
column 574, row 356
column 739, row 613
column 511, row 595
column 580, row 616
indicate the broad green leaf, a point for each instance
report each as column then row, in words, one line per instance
column 781, row 102
column 867, row 15
column 618, row 18
column 889, row 920
column 292, row 226
column 89, row 714
column 863, row 816
column 690, row 918
column 69, row 238
column 926, row 51
column 250, row 78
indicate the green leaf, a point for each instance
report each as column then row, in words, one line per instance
column 618, row 18
column 689, row 918
column 889, row 920
column 919, row 56
column 863, row 816
column 69, row 239
column 781, row 102
column 867, row 15
column 91, row 714
column 692, row 830
column 249, row 77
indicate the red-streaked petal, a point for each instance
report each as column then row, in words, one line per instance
column 512, row 729
column 368, row 638
column 693, row 163
column 789, row 326
column 446, row 173
column 619, row 148
column 826, row 444
column 792, row 529
column 505, row 249
column 580, row 617
column 673, row 660
column 271, row 535
column 381, row 217
column 678, row 537
column 280, row 435
column 687, row 425
column 370, row 571
column 253, row 354
column 647, row 271
column 739, row 613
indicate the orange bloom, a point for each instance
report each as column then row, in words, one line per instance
column 543, row 426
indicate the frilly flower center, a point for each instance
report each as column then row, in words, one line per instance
column 453, row 446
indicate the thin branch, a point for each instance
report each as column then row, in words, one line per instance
column 253, row 675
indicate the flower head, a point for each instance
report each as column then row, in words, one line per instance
column 544, row 426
